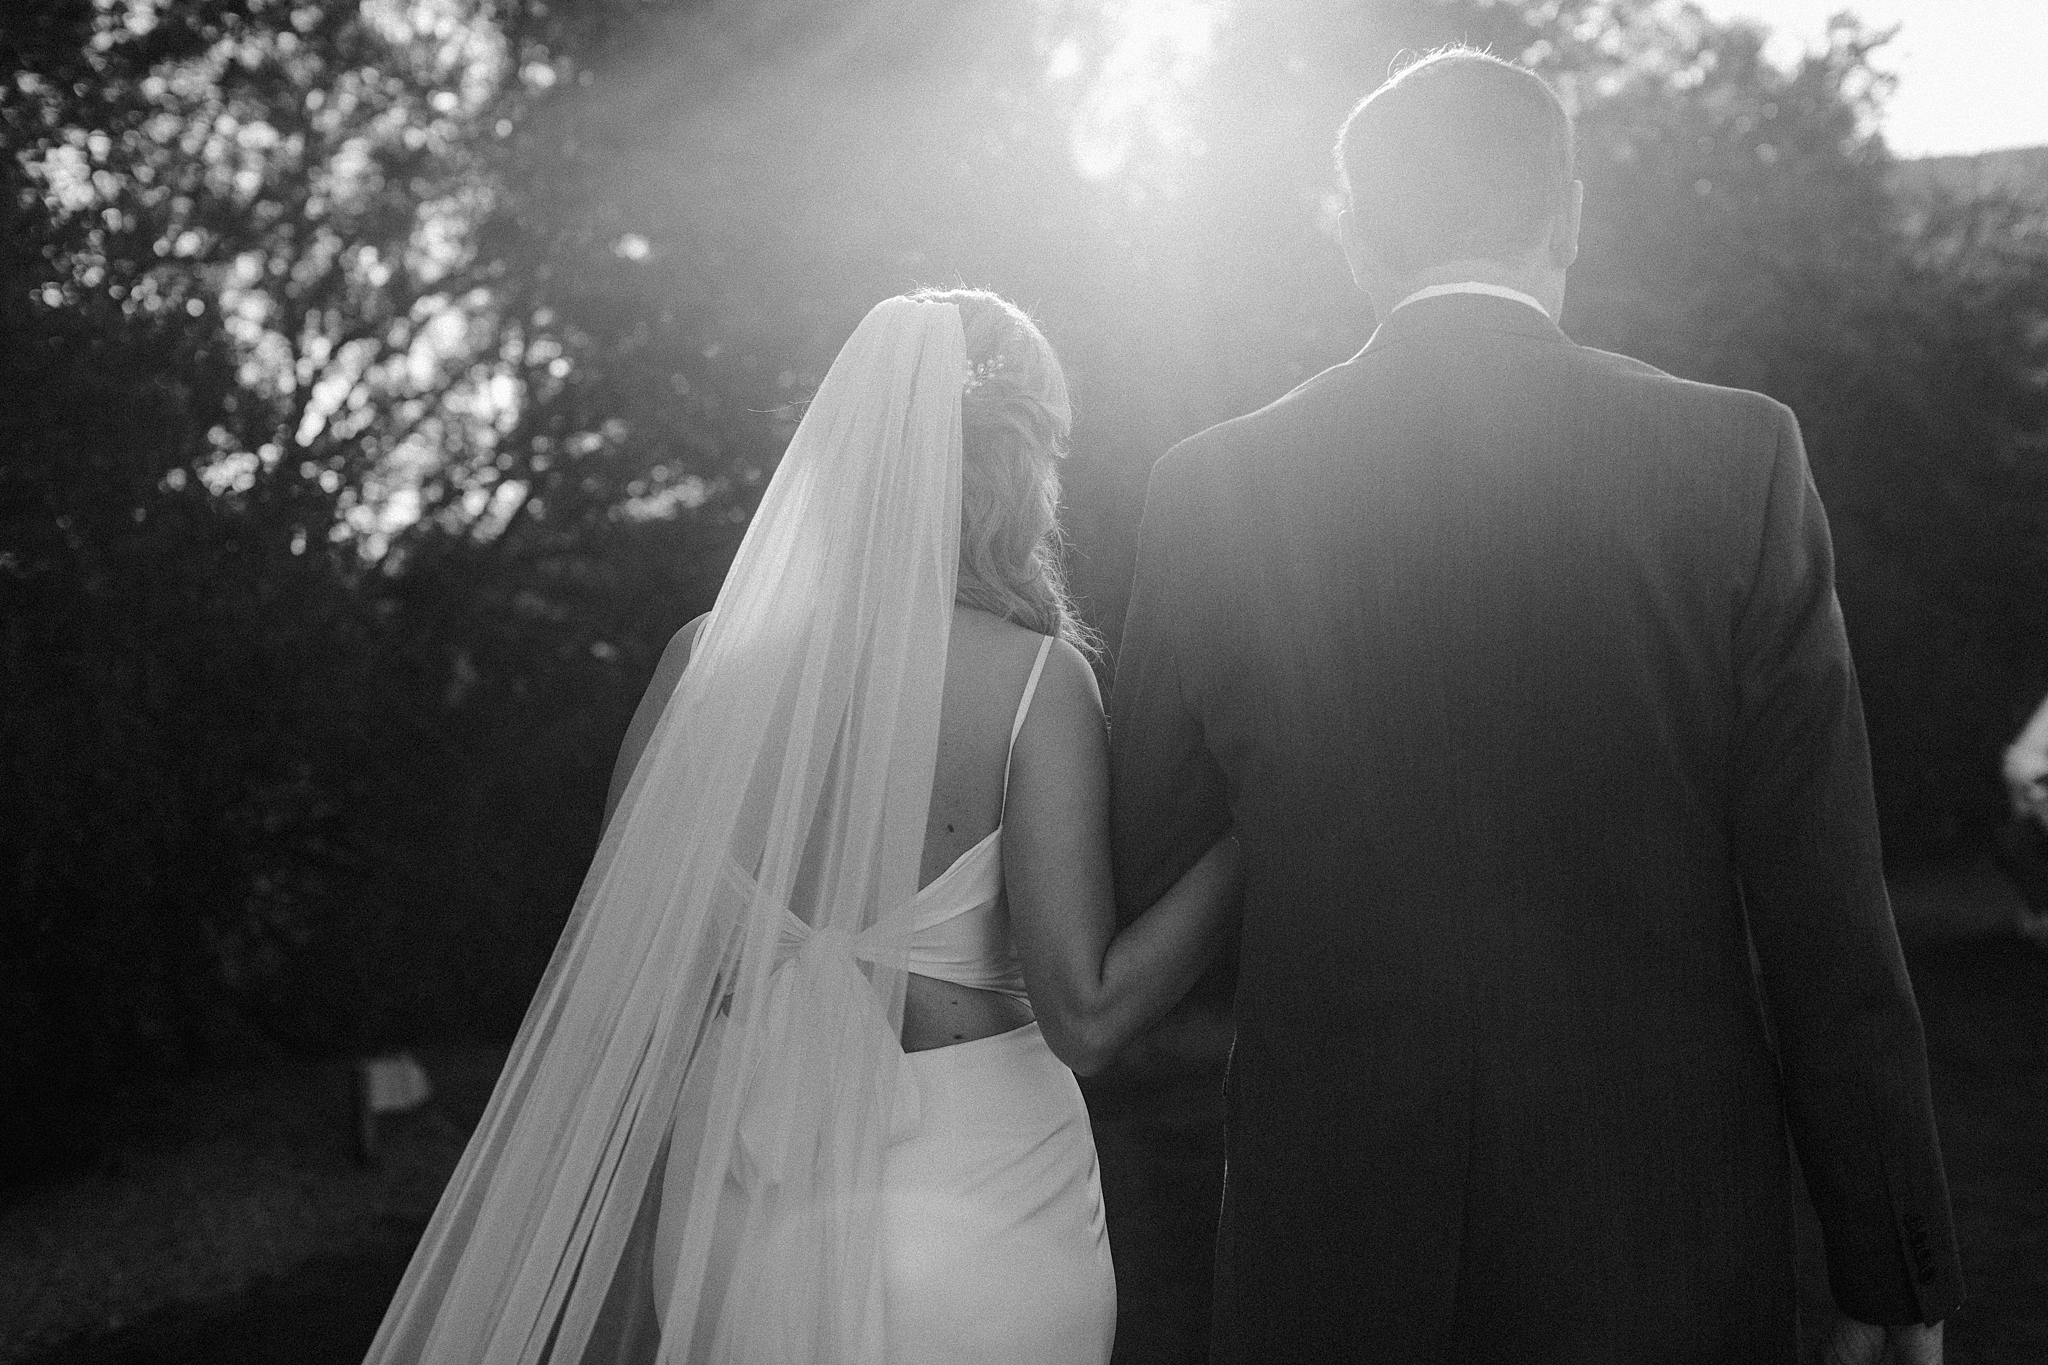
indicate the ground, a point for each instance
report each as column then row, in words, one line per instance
column 236, row 1226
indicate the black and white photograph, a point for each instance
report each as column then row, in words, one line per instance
column 1023, row 682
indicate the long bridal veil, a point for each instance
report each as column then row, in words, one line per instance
column 689, row 1129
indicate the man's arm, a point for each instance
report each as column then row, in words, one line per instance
column 1167, row 800
column 1804, row 823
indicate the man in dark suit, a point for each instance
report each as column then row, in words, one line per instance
column 1519, row 670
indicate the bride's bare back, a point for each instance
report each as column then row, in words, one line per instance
column 1090, row 996
column 987, row 665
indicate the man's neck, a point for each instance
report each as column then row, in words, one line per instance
column 1544, row 285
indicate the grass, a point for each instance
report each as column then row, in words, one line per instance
column 218, row 1183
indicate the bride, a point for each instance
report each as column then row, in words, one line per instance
column 796, row 1085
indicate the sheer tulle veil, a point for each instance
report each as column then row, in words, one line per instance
column 690, row 1127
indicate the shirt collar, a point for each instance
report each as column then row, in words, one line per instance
column 1499, row 291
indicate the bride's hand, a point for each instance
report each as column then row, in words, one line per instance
column 1863, row 1343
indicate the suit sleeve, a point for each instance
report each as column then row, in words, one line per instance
column 1852, row 1054
column 1167, row 796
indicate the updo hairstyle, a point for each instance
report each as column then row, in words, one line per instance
column 1014, row 417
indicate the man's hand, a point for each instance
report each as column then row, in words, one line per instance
column 1861, row 1343
column 2026, row 768
column 2026, row 781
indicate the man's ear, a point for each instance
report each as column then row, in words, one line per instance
column 1562, row 246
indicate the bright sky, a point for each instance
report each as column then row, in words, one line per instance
column 1973, row 74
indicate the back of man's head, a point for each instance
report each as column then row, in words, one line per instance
column 1458, row 156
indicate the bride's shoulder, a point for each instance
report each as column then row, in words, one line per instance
column 1005, row 653
column 676, row 656
column 1067, row 686
column 1064, row 731
column 1074, row 674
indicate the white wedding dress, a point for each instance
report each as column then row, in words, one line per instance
column 993, row 1241
column 708, row 1145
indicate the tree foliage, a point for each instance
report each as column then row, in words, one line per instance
column 388, row 380
column 1752, row 238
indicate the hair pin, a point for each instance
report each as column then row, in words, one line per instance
column 980, row 372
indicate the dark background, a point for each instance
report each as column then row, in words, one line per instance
column 381, row 384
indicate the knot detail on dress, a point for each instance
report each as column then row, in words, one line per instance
column 827, row 1054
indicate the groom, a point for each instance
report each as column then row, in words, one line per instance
column 1519, row 670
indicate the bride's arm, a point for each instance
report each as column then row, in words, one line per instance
column 667, row 674
column 1094, row 989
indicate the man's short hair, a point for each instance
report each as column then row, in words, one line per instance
column 1459, row 155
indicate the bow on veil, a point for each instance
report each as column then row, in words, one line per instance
column 681, row 1157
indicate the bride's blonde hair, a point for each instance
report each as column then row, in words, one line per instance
column 1015, row 417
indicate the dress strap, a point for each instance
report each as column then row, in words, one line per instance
column 1024, row 709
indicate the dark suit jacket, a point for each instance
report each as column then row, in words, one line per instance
column 1519, row 668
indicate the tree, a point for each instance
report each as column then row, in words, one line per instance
column 1743, row 230
column 388, row 381
column 299, row 512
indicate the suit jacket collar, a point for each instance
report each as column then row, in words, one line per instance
column 1449, row 314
